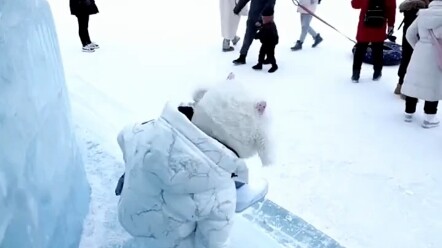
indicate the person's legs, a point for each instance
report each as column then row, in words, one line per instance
column 378, row 59
column 430, row 110
column 358, row 57
column 83, row 25
column 249, row 36
column 306, row 19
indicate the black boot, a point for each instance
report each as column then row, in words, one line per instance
column 273, row 68
column 257, row 66
column 355, row 76
column 377, row 75
column 241, row 60
column 298, row 46
column 318, row 39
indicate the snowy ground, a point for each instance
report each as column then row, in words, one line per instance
column 348, row 164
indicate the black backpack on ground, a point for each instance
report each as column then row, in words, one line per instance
column 375, row 16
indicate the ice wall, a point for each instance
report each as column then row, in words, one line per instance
column 44, row 194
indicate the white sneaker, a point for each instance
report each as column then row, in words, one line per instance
column 430, row 121
column 251, row 193
column 88, row 48
column 408, row 117
column 95, row 45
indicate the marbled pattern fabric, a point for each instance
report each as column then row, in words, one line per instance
column 178, row 189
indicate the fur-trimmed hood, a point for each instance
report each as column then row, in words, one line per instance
column 229, row 113
column 408, row 5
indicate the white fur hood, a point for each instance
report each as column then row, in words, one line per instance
column 231, row 114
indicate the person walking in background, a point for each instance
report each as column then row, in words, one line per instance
column 423, row 79
column 306, row 19
column 372, row 28
column 82, row 9
column 268, row 35
column 256, row 8
column 229, row 23
column 409, row 8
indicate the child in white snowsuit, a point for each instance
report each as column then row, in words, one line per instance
column 178, row 189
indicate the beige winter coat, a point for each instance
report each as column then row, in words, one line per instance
column 309, row 4
column 230, row 21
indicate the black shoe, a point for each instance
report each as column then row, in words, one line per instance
column 257, row 66
column 274, row 68
column 355, row 77
column 241, row 60
column 298, row 46
column 377, row 75
column 318, row 39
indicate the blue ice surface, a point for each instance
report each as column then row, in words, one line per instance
column 44, row 193
column 286, row 228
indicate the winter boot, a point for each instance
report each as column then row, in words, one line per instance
column 251, row 193
column 88, row 48
column 226, row 46
column 241, row 60
column 377, row 75
column 298, row 46
column 257, row 66
column 273, row 68
column 318, row 39
column 235, row 40
column 430, row 121
column 408, row 117
column 397, row 91
column 355, row 76
column 95, row 45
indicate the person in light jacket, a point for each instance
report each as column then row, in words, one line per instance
column 82, row 9
column 306, row 19
column 424, row 77
column 178, row 189
column 229, row 23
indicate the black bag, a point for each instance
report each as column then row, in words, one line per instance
column 375, row 16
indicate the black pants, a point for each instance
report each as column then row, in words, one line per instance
column 267, row 52
column 411, row 103
column 249, row 36
column 83, row 25
column 407, row 49
column 377, row 53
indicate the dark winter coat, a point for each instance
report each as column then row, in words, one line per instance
column 409, row 8
column 83, row 7
column 369, row 34
column 268, row 34
column 256, row 8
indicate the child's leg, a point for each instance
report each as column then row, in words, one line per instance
column 271, row 57
column 261, row 57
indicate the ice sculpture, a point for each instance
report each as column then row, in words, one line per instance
column 44, row 193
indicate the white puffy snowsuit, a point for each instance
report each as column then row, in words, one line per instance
column 230, row 21
column 178, row 190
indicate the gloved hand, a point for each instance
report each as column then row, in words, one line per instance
column 236, row 10
column 390, row 30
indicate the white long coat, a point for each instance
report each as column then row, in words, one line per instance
column 230, row 21
column 424, row 78
column 178, row 191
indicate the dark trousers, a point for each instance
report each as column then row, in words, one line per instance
column 267, row 51
column 249, row 36
column 83, row 25
column 377, row 53
column 411, row 103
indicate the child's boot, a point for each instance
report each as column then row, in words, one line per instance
column 250, row 193
column 257, row 66
column 273, row 68
column 318, row 39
